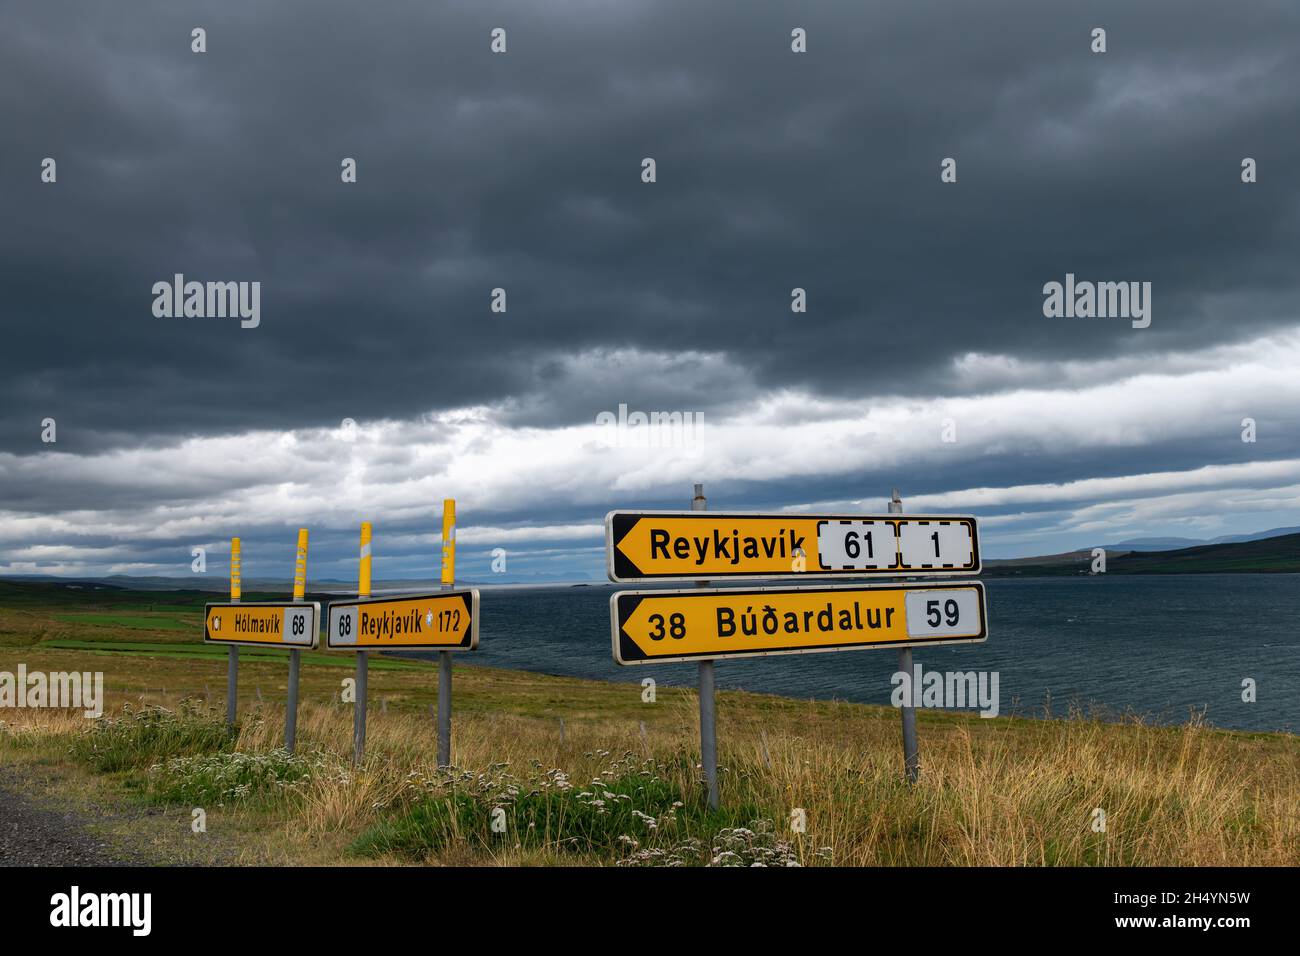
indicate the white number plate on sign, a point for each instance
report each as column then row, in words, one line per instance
column 297, row 626
column 921, row 544
column 343, row 626
column 942, row 612
column 934, row 544
column 857, row 544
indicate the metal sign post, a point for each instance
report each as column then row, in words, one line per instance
column 445, row 620
column 360, row 698
column 232, row 660
column 911, row 749
column 293, row 625
column 708, row 704
column 299, row 595
column 444, row 657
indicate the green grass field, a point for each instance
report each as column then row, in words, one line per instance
column 143, row 622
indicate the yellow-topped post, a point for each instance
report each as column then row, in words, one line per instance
column 363, row 668
column 300, row 567
column 232, row 657
column 234, row 569
column 363, row 577
column 449, row 542
column 299, row 594
column 444, row 657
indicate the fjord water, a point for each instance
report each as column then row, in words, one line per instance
column 1159, row 646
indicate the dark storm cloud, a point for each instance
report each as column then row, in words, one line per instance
column 522, row 171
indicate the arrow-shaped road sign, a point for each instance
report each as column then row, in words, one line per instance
column 444, row 620
column 693, row 545
column 292, row 624
column 660, row 626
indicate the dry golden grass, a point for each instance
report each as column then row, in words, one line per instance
column 1006, row 791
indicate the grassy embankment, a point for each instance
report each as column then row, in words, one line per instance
column 1002, row 791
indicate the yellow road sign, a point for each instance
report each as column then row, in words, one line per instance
column 660, row 626
column 692, row 545
column 289, row 625
column 445, row 620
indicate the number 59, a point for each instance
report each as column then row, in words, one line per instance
column 950, row 613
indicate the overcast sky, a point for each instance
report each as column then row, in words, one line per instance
column 775, row 170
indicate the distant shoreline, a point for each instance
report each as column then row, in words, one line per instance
column 337, row 590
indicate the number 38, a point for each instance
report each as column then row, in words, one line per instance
column 676, row 627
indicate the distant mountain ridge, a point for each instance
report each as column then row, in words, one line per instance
column 1273, row 554
column 1171, row 544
